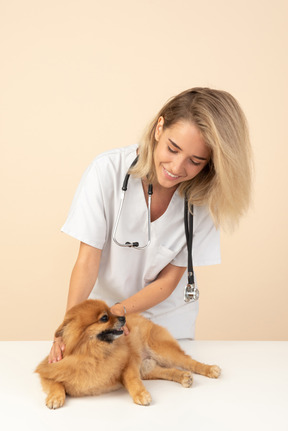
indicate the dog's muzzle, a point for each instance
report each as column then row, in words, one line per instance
column 109, row 335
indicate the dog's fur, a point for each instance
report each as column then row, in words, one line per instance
column 98, row 358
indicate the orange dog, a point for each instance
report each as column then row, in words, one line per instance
column 98, row 359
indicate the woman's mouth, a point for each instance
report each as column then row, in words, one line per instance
column 169, row 175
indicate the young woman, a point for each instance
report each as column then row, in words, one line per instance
column 197, row 148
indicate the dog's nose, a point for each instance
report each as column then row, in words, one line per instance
column 122, row 319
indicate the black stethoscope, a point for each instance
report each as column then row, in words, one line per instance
column 191, row 292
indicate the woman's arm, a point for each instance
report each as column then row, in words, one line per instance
column 152, row 294
column 84, row 274
column 82, row 281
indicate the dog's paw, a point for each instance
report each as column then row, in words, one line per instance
column 54, row 401
column 214, row 372
column 143, row 398
column 187, row 380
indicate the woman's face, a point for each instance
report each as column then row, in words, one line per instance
column 180, row 153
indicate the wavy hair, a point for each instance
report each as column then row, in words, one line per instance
column 224, row 184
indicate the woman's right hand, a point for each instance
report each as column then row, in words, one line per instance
column 57, row 349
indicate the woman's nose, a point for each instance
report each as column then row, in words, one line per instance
column 178, row 166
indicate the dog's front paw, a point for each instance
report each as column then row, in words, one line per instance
column 187, row 380
column 143, row 398
column 54, row 401
column 214, row 372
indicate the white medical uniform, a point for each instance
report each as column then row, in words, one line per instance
column 124, row 271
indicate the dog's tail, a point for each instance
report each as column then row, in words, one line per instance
column 57, row 371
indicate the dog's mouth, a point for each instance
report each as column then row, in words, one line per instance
column 109, row 335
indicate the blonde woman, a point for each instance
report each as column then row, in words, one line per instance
column 196, row 147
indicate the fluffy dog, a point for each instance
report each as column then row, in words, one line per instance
column 98, row 359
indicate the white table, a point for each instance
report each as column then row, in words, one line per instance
column 251, row 394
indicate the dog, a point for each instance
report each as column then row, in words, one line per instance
column 99, row 359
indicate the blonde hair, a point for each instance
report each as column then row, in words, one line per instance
column 225, row 182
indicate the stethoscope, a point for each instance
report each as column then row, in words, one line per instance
column 191, row 292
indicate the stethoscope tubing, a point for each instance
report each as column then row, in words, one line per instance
column 188, row 223
column 122, row 198
column 191, row 293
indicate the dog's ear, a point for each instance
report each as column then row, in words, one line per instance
column 59, row 332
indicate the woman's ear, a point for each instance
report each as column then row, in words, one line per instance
column 159, row 128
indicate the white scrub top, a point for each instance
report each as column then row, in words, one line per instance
column 124, row 271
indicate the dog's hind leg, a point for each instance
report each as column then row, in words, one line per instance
column 150, row 370
column 55, row 393
column 168, row 353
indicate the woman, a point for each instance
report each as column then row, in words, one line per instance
column 196, row 147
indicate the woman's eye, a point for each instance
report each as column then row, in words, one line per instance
column 104, row 318
column 195, row 163
column 171, row 151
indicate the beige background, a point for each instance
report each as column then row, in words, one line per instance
column 80, row 77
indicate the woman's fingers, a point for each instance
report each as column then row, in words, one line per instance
column 56, row 352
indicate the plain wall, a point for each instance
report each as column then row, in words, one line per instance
column 81, row 77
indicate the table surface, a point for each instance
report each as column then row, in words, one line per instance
column 252, row 393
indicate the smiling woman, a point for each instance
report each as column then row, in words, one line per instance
column 197, row 147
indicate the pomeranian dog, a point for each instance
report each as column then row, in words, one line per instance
column 99, row 359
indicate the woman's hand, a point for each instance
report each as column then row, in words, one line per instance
column 119, row 310
column 57, row 349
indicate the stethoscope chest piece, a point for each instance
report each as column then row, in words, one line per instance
column 191, row 293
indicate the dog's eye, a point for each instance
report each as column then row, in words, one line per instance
column 104, row 318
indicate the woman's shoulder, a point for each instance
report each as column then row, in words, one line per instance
column 111, row 165
column 116, row 156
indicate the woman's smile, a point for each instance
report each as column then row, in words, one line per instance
column 169, row 175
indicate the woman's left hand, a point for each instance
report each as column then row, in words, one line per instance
column 119, row 310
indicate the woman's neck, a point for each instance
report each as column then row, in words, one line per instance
column 160, row 200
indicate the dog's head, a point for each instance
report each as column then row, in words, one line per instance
column 88, row 321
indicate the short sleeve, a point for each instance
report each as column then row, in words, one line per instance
column 206, row 241
column 86, row 220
